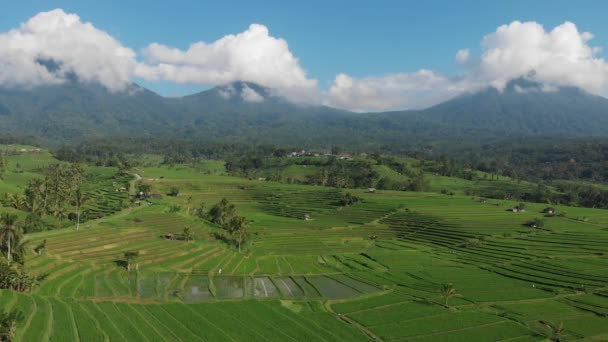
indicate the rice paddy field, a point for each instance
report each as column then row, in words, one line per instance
column 373, row 270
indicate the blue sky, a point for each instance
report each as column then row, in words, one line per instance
column 358, row 38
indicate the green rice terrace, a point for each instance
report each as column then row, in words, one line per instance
column 391, row 266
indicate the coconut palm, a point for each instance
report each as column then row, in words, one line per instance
column 448, row 291
column 554, row 332
column 80, row 199
column 9, row 234
column 8, row 325
column 60, row 212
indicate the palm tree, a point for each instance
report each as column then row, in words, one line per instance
column 80, row 199
column 60, row 212
column 20, row 248
column 130, row 256
column 9, row 233
column 238, row 228
column 189, row 203
column 555, row 333
column 448, row 291
column 8, row 324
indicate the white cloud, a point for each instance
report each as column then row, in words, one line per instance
column 463, row 56
column 53, row 46
column 560, row 57
column 252, row 56
column 250, row 95
column 227, row 91
column 403, row 90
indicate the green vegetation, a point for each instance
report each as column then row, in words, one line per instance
column 252, row 258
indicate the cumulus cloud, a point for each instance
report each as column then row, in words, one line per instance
column 403, row 90
column 253, row 56
column 250, row 95
column 560, row 57
column 463, row 56
column 53, row 47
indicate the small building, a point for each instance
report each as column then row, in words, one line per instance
column 371, row 190
column 307, row 217
column 549, row 211
column 518, row 209
column 170, row 236
column 531, row 224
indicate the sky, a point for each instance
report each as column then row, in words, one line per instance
column 356, row 55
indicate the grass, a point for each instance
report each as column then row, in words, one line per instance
column 372, row 269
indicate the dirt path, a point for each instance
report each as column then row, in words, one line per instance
column 352, row 322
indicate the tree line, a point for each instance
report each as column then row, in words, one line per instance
column 58, row 194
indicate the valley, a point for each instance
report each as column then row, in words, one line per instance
column 393, row 265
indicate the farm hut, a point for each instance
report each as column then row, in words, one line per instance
column 549, row 211
column 531, row 224
column 170, row 236
column 307, row 217
column 371, row 190
column 518, row 209
column 141, row 195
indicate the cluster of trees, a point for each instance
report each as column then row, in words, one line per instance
column 548, row 159
column 348, row 199
column 583, row 195
column 225, row 215
column 345, row 174
column 127, row 150
column 58, row 194
column 533, row 159
column 13, row 275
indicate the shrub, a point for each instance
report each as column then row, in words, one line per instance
column 174, row 191
column 348, row 199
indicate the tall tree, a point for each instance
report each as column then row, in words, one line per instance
column 238, row 228
column 187, row 234
column 130, row 257
column 80, row 199
column 9, row 234
column 3, row 165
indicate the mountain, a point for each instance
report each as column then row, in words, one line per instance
column 249, row 113
column 524, row 108
column 73, row 111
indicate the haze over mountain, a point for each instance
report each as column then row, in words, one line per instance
column 244, row 111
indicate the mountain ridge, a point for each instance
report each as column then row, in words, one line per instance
column 245, row 111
